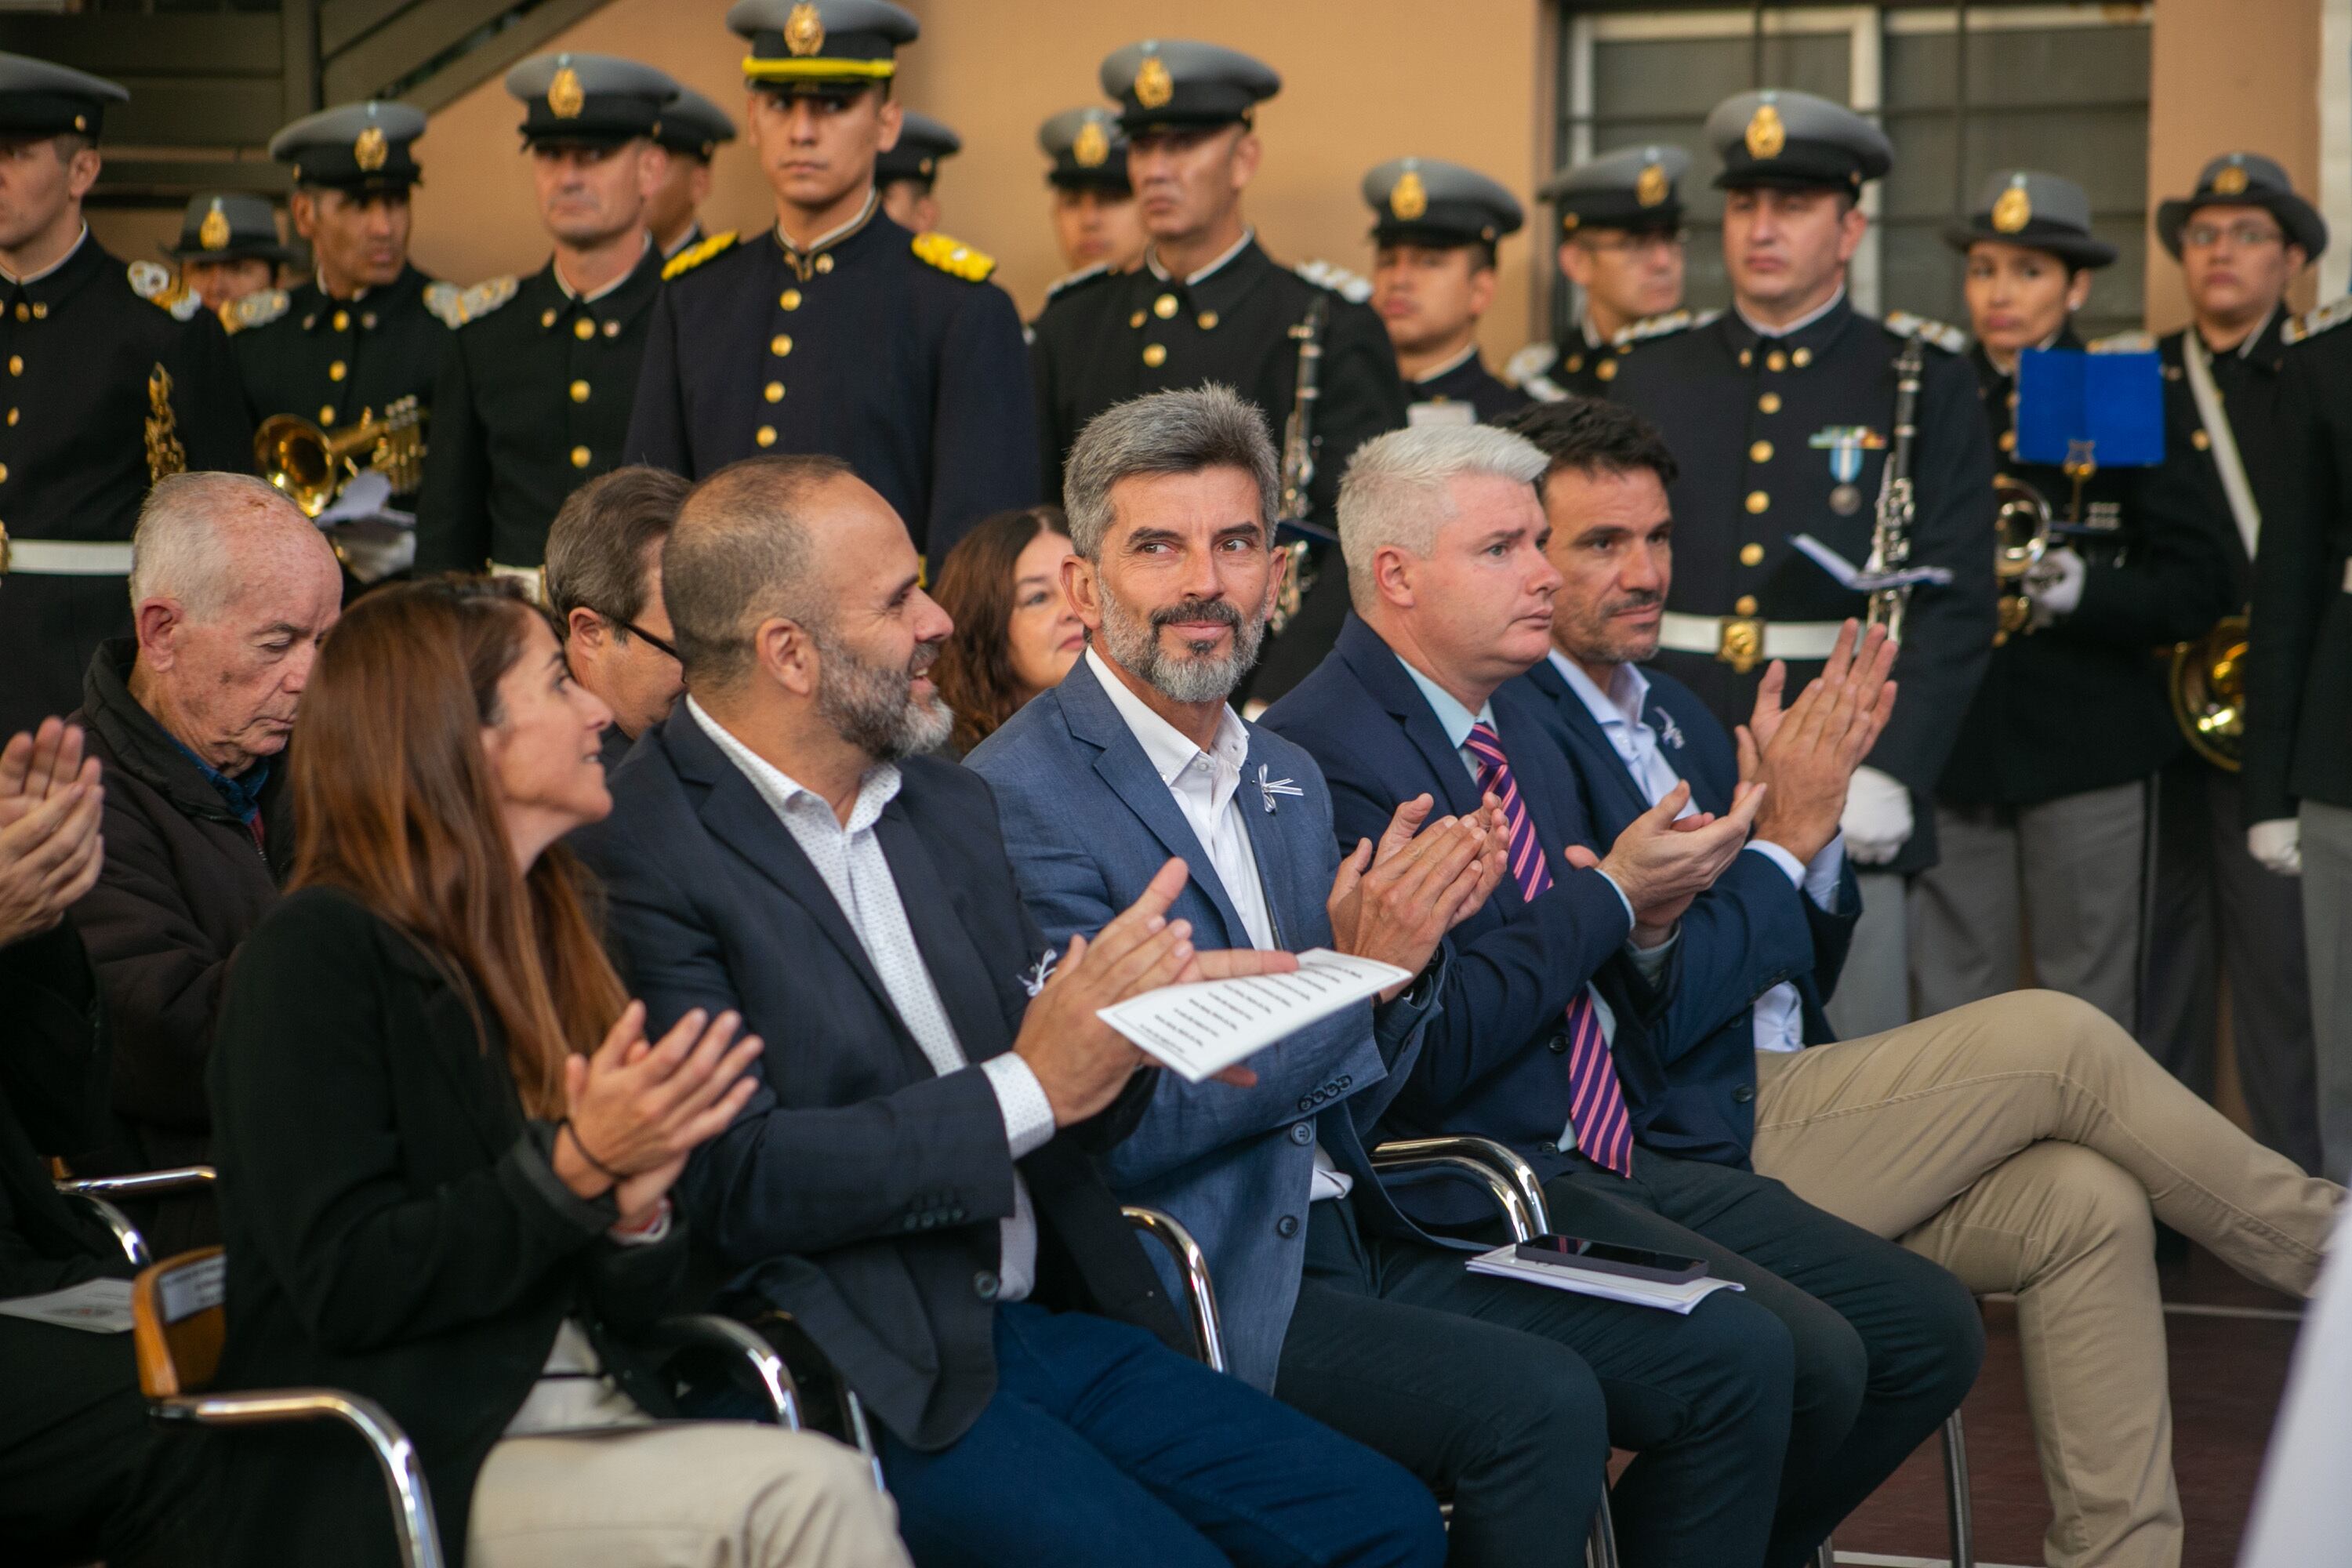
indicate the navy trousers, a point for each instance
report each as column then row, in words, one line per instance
column 1103, row 1447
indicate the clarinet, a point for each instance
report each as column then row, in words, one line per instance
column 1890, row 532
column 1298, row 461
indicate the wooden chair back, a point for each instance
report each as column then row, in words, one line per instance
column 178, row 1321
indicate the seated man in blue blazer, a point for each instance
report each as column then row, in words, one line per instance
column 2021, row 1141
column 914, row 1181
column 1504, row 1395
column 1452, row 599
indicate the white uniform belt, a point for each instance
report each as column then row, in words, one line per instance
column 68, row 557
column 1782, row 639
column 533, row 578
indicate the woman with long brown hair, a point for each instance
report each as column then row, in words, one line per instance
column 446, row 1145
column 1015, row 634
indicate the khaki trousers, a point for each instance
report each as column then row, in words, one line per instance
column 700, row 1494
column 2022, row 1142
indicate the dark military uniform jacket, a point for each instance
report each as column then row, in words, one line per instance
column 302, row 350
column 1580, row 367
column 532, row 403
column 2080, row 704
column 1466, row 379
column 1741, row 412
column 82, row 350
column 2251, row 379
column 2298, row 742
column 887, row 350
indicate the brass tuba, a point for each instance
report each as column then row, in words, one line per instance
column 2209, row 692
column 312, row 466
column 2020, row 538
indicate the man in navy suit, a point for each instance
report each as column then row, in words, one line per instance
column 1561, row 990
column 1504, row 1395
column 915, row 1182
column 2019, row 1141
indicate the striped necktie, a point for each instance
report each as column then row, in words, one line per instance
column 1596, row 1102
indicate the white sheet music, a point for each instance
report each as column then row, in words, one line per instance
column 1207, row 1026
column 1505, row 1263
column 94, row 1306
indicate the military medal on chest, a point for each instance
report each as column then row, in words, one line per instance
column 1845, row 444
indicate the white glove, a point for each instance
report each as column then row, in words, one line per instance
column 2055, row 586
column 2278, row 845
column 1878, row 817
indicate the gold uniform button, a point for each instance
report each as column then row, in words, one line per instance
column 12, row 416
column 781, row 344
column 1759, row 452
column 579, row 456
column 790, row 299
column 579, row 392
column 1136, row 320
column 1747, row 358
column 774, row 391
column 1208, row 321
column 1757, row 501
column 2200, row 440
column 1155, row 354
column 3, row 473
column 40, row 310
column 583, row 329
column 326, row 414
column 337, row 371
column 1575, row 363
column 825, row 262
column 1753, row 554
column 765, row 435
column 343, row 321
column 547, row 317
column 2013, row 403
column 1802, row 358
column 24, row 311
column 1770, row 403
column 1164, row 306
column 1743, row 605
column 1606, row 370
column 368, row 320
column 15, row 364
column 2008, row 440
column 611, row 329
column 1775, row 361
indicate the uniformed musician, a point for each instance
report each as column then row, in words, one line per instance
column 835, row 331
column 2241, row 236
column 1435, row 227
column 907, row 171
column 1621, row 243
column 2042, row 812
column 1783, row 413
column 534, row 399
column 1209, row 305
column 228, row 246
column 115, row 375
column 366, row 331
column 692, row 130
column 1095, row 220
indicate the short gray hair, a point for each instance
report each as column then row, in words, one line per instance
column 1395, row 489
column 180, row 549
column 596, row 546
column 741, row 552
column 1183, row 432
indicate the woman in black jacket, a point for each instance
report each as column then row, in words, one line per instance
column 436, row 1188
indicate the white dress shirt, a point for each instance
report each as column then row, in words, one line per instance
column 1204, row 784
column 1780, row 1012
column 857, row 873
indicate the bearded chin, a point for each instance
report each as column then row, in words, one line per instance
column 1134, row 643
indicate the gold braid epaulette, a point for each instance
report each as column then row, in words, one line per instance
column 954, row 257
column 694, row 255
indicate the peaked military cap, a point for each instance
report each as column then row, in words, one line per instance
column 2245, row 180
column 923, row 142
column 824, row 46
column 228, row 226
column 593, row 98
column 2043, row 211
column 1088, row 149
column 1631, row 189
column 37, row 99
column 1171, row 81
column 692, row 124
column 354, row 146
column 1421, row 201
column 1794, row 140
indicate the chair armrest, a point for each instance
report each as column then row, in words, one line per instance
column 126, row 1235
column 782, row 1331
column 141, row 1184
column 1192, row 1264
column 732, row 1340
column 1509, row 1179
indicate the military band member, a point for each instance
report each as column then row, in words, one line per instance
column 115, row 376
column 1436, row 229
column 229, row 247
column 2241, row 236
column 367, row 330
column 1783, row 413
column 1095, row 220
column 534, row 399
column 1622, row 244
column 835, row 331
column 2042, row 812
column 1209, row 305
column 907, row 171
column 692, row 130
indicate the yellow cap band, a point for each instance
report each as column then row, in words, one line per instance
column 758, row 70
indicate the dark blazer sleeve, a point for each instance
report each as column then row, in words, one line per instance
column 657, row 428
column 2292, row 588
column 453, row 515
column 309, row 1118
column 983, row 428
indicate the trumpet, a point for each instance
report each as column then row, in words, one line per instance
column 2021, row 527
column 312, row 466
column 2209, row 692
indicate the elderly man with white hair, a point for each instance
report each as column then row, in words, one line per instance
column 232, row 590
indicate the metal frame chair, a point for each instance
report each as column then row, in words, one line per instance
column 1959, row 1513
column 98, row 1193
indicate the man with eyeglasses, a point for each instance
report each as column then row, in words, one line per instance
column 1621, row 243
column 603, row 581
column 2220, row 903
